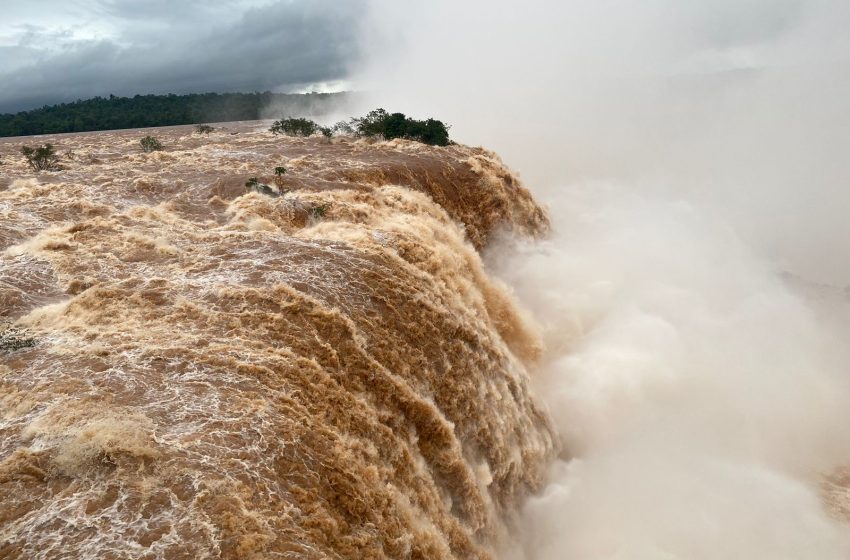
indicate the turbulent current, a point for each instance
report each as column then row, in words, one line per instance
column 192, row 370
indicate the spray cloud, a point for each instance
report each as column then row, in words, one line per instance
column 691, row 295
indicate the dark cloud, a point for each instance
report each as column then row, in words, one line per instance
column 181, row 47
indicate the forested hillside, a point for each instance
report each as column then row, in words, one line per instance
column 110, row 113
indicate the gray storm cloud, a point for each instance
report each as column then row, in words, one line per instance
column 125, row 48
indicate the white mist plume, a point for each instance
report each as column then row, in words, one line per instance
column 693, row 154
column 701, row 399
column 740, row 105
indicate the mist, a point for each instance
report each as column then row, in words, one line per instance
column 691, row 295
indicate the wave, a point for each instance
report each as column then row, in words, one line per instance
column 220, row 374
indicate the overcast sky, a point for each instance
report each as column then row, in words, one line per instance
column 60, row 50
column 55, row 50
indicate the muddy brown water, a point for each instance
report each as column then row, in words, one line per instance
column 223, row 374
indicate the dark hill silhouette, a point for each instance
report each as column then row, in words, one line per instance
column 113, row 113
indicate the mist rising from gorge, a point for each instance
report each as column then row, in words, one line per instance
column 691, row 294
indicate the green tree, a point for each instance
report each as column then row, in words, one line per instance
column 150, row 144
column 43, row 158
column 380, row 123
column 294, row 127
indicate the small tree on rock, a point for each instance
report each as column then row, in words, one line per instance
column 294, row 127
column 150, row 144
column 43, row 158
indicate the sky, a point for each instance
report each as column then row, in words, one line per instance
column 54, row 50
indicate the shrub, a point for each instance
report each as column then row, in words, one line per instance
column 377, row 123
column 203, row 129
column 397, row 125
column 371, row 125
column 43, row 158
column 279, row 172
column 294, row 127
column 318, row 212
column 150, row 144
column 342, row 127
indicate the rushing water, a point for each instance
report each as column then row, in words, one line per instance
column 214, row 373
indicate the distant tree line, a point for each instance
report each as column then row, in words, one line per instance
column 110, row 113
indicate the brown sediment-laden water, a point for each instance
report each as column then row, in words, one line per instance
column 192, row 370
